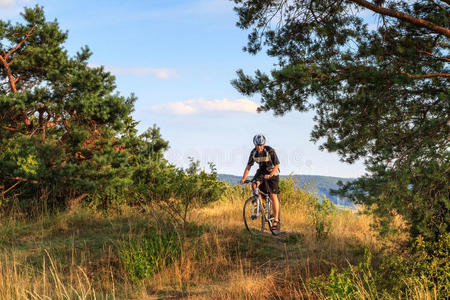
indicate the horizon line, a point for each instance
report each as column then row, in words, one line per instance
column 296, row 175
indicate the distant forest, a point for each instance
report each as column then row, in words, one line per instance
column 321, row 184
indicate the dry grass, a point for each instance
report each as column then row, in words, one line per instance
column 74, row 255
column 52, row 280
column 240, row 266
column 70, row 256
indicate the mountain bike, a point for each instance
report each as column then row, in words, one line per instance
column 257, row 212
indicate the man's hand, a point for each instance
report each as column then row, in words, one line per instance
column 242, row 181
column 267, row 176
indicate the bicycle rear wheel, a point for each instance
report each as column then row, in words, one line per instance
column 254, row 216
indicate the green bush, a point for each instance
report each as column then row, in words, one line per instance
column 321, row 217
column 177, row 191
column 393, row 277
column 142, row 258
column 431, row 261
column 354, row 282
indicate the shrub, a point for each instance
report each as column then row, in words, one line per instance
column 176, row 191
column 393, row 277
column 142, row 258
column 321, row 217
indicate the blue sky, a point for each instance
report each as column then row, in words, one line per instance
column 178, row 57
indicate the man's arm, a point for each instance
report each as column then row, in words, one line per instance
column 247, row 169
column 249, row 165
column 273, row 172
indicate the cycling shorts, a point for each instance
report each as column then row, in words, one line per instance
column 267, row 185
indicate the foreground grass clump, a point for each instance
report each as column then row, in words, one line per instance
column 130, row 253
column 142, row 257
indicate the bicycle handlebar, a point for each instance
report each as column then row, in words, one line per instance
column 251, row 180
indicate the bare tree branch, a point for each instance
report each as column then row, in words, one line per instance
column 422, row 76
column 10, row 188
column 404, row 17
column 446, row 59
column 12, row 80
column 12, row 129
column 19, row 44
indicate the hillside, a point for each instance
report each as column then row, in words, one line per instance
column 128, row 254
column 321, row 184
column 135, row 253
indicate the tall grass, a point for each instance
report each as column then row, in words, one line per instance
column 138, row 254
column 51, row 280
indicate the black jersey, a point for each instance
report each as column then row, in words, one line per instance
column 267, row 159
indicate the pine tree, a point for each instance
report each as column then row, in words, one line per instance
column 66, row 133
column 380, row 94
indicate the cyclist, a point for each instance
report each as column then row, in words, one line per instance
column 268, row 171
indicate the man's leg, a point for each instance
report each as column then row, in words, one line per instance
column 275, row 206
column 256, row 186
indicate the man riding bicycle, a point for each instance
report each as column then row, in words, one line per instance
column 268, row 172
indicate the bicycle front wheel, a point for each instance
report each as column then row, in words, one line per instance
column 254, row 216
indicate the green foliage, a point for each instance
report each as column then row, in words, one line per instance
column 64, row 127
column 175, row 190
column 431, row 261
column 291, row 195
column 321, row 217
column 419, row 192
column 68, row 135
column 393, row 277
column 294, row 197
column 142, row 258
column 428, row 266
column 379, row 94
column 354, row 282
column 288, row 189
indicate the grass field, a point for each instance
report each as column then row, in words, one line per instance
column 82, row 254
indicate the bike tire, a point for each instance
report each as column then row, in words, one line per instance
column 256, row 224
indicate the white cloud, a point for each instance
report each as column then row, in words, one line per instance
column 198, row 106
column 161, row 73
column 12, row 8
column 11, row 3
column 7, row 3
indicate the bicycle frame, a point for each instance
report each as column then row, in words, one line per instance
column 258, row 204
column 260, row 207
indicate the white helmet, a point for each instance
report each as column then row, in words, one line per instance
column 259, row 140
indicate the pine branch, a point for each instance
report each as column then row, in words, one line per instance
column 10, row 188
column 12, row 80
column 440, row 6
column 446, row 59
column 4, row 61
column 23, row 179
column 12, row 129
column 404, row 17
column 19, row 44
column 430, row 75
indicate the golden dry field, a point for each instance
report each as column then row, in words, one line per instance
column 79, row 254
